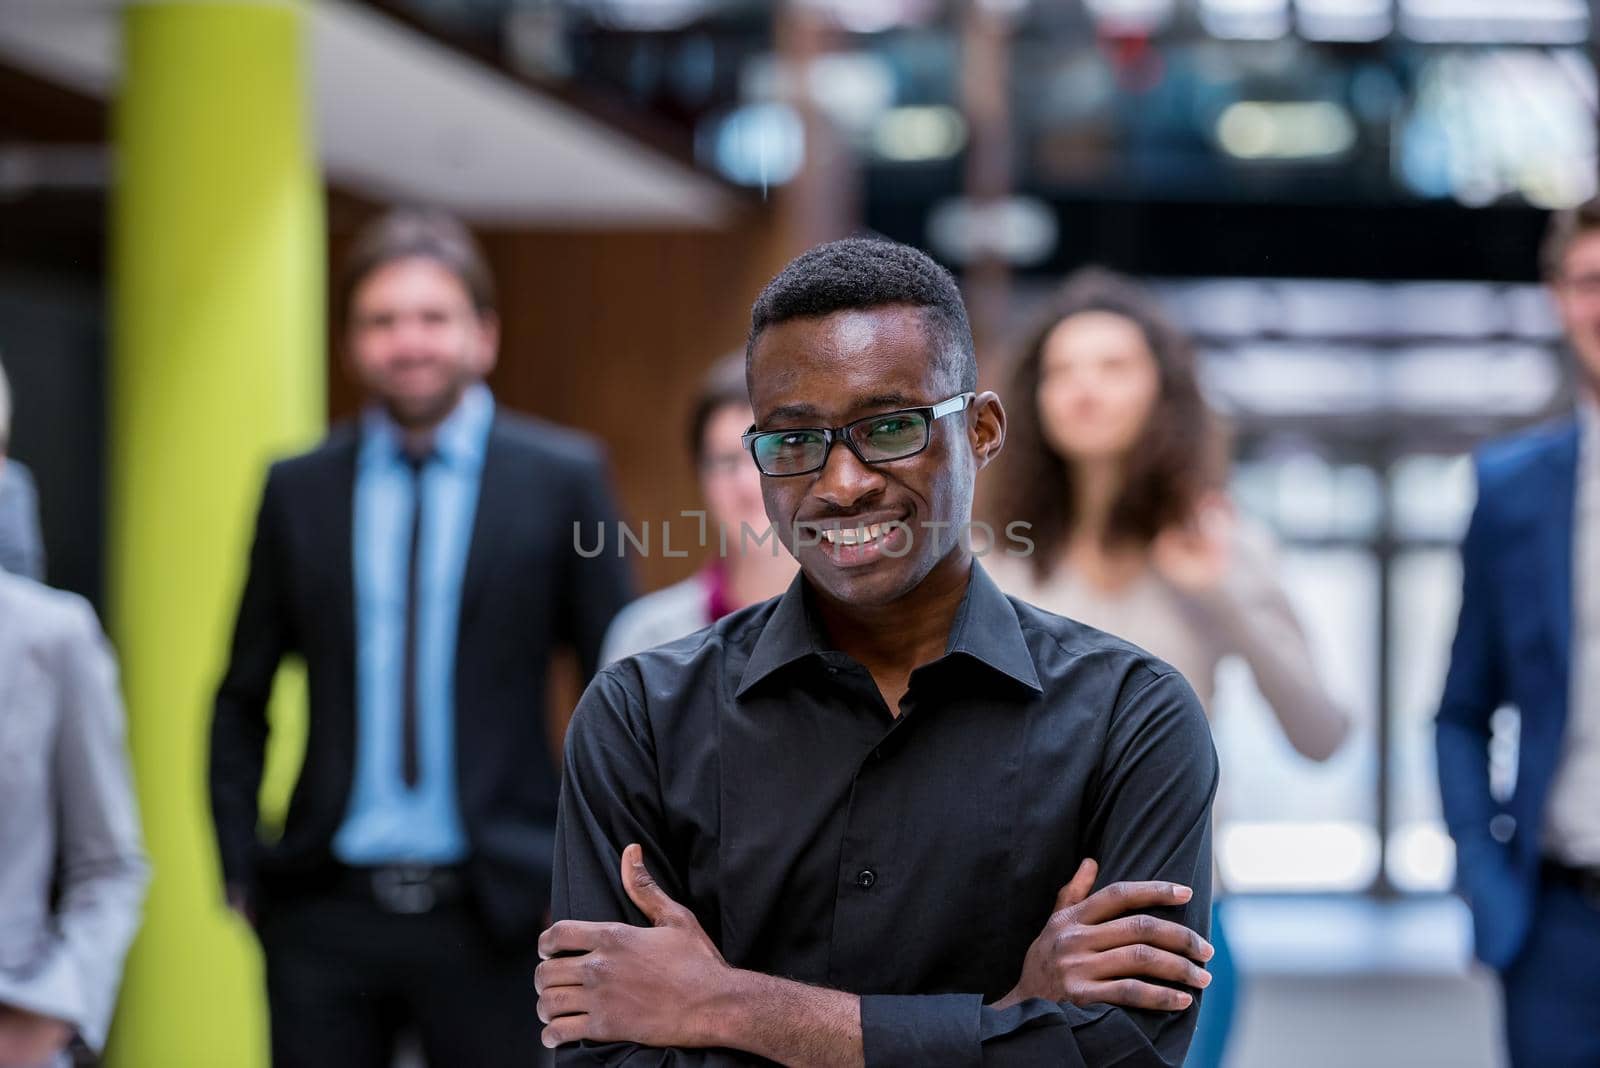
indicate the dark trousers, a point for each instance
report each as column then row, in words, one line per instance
column 1552, row 992
column 345, row 979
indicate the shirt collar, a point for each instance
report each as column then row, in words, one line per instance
column 985, row 630
column 788, row 635
column 460, row 440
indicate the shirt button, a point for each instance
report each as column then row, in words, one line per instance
column 865, row 878
column 1503, row 828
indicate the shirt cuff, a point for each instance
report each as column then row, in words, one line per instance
column 899, row 1031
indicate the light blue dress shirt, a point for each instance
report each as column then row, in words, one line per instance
column 386, row 821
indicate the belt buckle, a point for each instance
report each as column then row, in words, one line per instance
column 404, row 888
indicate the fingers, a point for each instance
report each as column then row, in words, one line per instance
column 1147, row 962
column 575, row 936
column 559, row 1001
column 1148, row 931
column 645, row 892
column 1133, row 994
column 562, row 971
column 1121, row 898
column 1079, row 886
column 566, row 1029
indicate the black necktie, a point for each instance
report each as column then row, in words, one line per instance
column 409, row 745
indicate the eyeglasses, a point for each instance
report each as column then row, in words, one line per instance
column 874, row 439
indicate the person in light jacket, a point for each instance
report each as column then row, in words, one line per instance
column 72, row 868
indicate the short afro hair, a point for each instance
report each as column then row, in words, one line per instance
column 860, row 273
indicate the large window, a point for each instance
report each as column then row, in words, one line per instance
column 1355, row 408
column 1289, row 824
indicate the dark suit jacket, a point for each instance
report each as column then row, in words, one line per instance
column 525, row 591
column 1512, row 646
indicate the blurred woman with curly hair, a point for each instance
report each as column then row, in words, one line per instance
column 1118, row 466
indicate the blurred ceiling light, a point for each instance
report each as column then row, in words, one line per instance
column 1579, row 69
column 1518, row 380
column 757, row 145
column 648, row 14
column 1296, row 379
column 852, row 88
column 1258, row 856
column 1496, row 21
column 919, row 134
column 1553, row 188
column 1006, row 8
column 1016, row 230
column 1285, row 130
column 873, row 16
column 1344, row 20
column 1129, row 18
column 1489, row 123
column 1248, row 20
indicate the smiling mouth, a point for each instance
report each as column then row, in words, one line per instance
column 855, row 535
column 864, row 543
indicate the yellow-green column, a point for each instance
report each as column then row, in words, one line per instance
column 217, row 366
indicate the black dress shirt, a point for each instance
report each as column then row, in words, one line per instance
column 911, row 860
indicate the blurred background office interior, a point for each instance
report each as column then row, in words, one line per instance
column 1341, row 200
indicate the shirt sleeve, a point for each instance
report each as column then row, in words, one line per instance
column 610, row 798
column 1149, row 818
column 239, row 725
column 1475, row 685
column 1254, row 619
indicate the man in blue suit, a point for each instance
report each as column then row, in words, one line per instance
column 1529, row 636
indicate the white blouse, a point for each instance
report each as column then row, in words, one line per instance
column 1246, row 615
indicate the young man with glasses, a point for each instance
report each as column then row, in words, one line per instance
column 881, row 786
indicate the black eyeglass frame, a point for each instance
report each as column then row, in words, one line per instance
column 831, row 435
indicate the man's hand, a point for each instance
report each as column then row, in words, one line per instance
column 28, row 1040
column 660, row 986
column 1090, row 951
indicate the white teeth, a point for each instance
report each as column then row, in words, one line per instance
column 853, row 535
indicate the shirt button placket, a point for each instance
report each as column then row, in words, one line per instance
column 859, row 901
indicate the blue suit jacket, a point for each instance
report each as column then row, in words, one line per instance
column 1512, row 647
